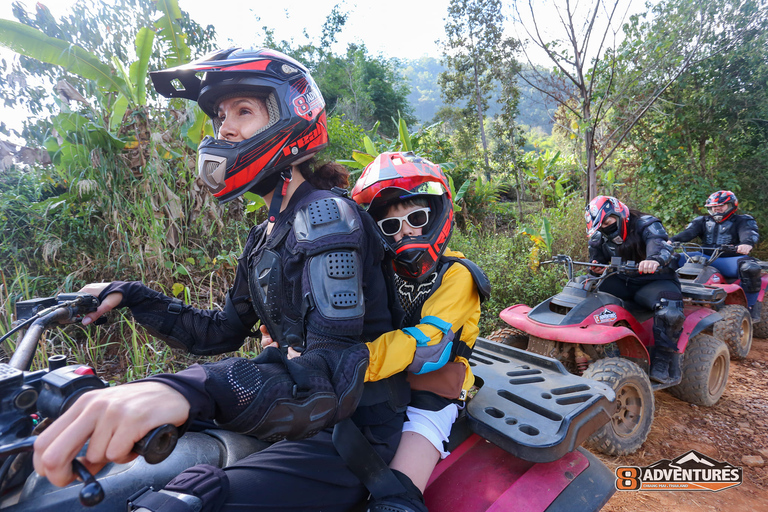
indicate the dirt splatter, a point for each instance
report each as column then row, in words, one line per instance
column 735, row 427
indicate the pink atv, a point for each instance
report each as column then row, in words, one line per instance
column 604, row 338
column 736, row 328
column 514, row 447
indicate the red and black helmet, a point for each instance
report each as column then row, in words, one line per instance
column 396, row 177
column 297, row 128
column 602, row 207
column 719, row 198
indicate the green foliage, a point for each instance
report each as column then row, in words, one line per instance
column 505, row 259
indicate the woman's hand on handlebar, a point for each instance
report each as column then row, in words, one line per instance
column 267, row 341
column 114, row 419
column 597, row 270
column 109, row 303
column 648, row 266
column 743, row 249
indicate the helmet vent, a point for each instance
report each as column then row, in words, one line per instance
column 344, row 299
column 340, row 265
column 323, row 211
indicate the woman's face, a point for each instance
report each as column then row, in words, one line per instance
column 608, row 221
column 401, row 210
column 241, row 117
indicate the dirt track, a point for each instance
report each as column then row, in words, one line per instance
column 734, row 428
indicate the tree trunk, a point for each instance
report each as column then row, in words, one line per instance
column 480, row 117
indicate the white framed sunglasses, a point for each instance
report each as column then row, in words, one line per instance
column 416, row 219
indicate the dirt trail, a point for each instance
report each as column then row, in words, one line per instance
column 736, row 427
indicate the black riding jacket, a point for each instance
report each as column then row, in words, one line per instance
column 646, row 240
column 224, row 390
column 736, row 230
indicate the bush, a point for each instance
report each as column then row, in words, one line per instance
column 505, row 259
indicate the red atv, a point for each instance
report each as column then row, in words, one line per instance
column 737, row 328
column 607, row 339
column 514, row 447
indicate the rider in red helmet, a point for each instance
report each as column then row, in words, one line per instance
column 311, row 273
column 439, row 292
column 723, row 226
column 616, row 230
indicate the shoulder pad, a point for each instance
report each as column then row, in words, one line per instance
column 481, row 280
column 596, row 239
column 650, row 226
column 746, row 216
column 326, row 216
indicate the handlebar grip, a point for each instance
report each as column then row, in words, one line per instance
column 158, row 444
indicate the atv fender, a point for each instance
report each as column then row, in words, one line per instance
column 763, row 287
column 586, row 333
column 696, row 321
column 735, row 293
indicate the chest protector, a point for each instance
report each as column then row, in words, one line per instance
column 335, row 274
column 724, row 233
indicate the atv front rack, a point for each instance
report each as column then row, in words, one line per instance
column 530, row 406
column 703, row 295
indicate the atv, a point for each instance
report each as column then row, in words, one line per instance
column 604, row 338
column 737, row 327
column 515, row 446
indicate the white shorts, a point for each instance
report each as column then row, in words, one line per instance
column 433, row 425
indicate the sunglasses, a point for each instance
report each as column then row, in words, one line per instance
column 416, row 219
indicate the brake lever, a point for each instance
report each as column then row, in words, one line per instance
column 155, row 447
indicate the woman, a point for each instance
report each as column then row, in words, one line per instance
column 615, row 230
column 311, row 274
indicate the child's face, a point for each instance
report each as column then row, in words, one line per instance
column 241, row 117
column 402, row 212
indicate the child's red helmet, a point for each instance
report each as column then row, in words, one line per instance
column 297, row 126
column 394, row 177
column 603, row 207
column 720, row 198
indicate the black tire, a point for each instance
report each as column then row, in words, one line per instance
column 705, row 371
column 510, row 336
column 760, row 329
column 631, row 420
column 735, row 329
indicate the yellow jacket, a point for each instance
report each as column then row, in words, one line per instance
column 455, row 301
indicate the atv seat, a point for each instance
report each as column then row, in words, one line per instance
column 530, row 406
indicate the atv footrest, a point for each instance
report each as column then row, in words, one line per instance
column 530, row 405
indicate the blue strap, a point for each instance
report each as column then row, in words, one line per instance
column 437, row 322
column 421, row 338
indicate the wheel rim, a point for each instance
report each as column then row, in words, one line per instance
column 718, row 375
column 744, row 333
column 629, row 410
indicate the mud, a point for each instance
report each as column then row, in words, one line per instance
column 734, row 430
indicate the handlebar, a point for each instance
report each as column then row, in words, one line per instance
column 52, row 391
column 715, row 251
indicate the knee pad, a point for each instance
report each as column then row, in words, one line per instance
column 202, row 488
column 750, row 275
column 298, row 403
column 668, row 319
